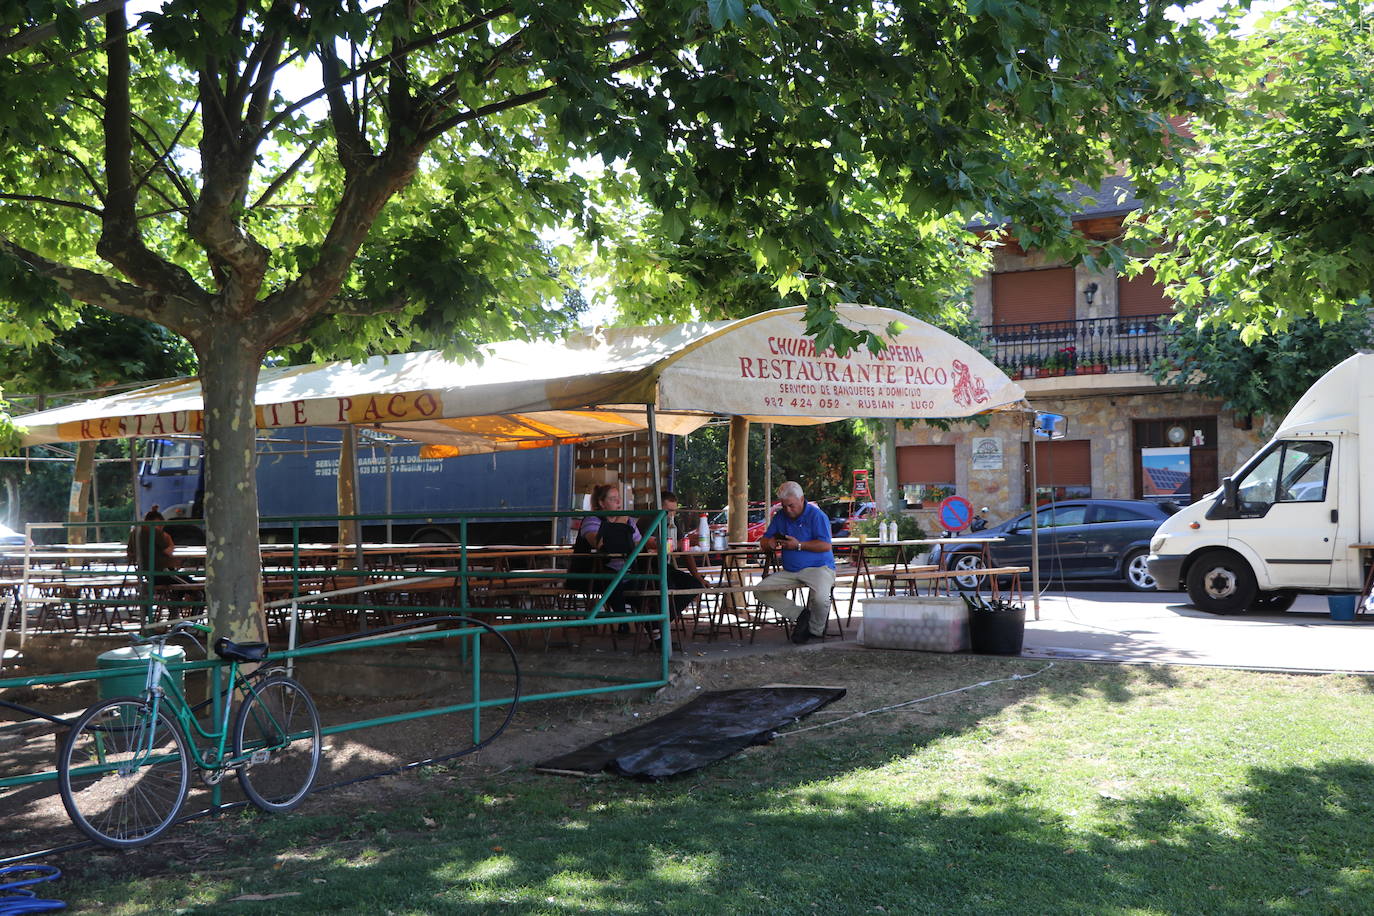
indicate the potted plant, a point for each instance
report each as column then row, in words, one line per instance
column 996, row 627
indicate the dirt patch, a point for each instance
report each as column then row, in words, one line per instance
column 35, row 818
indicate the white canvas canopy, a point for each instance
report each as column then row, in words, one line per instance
column 595, row 383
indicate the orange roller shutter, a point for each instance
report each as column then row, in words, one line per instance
column 925, row 464
column 1025, row 296
column 1063, row 463
column 1141, row 296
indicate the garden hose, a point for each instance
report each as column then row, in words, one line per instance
column 18, row 897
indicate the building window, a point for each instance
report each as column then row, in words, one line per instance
column 926, row 473
column 1063, row 469
column 1141, row 296
column 1034, row 296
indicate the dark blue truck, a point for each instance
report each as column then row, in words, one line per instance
column 298, row 478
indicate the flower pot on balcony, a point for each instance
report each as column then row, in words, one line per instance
column 1051, row 373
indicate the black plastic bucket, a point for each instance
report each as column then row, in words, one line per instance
column 996, row 632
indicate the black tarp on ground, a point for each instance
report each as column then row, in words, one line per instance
column 711, row 727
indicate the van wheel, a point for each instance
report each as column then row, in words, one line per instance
column 1137, row 572
column 1221, row 583
column 1274, row 602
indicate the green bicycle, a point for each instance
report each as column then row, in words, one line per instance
column 124, row 770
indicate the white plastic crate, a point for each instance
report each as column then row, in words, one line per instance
column 931, row 624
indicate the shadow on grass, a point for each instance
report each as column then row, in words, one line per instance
column 36, row 819
column 1301, row 845
column 841, row 824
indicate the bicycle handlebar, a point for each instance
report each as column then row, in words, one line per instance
column 181, row 627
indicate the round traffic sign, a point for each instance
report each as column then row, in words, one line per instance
column 955, row 513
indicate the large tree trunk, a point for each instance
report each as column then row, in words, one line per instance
column 229, row 366
column 80, row 501
column 738, row 479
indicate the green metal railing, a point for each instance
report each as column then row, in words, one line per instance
column 302, row 600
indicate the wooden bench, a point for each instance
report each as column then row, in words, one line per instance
column 723, row 591
column 987, row 574
column 894, row 574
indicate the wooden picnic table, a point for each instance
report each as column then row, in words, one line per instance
column 862, row 571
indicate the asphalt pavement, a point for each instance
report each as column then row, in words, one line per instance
column 1109, row 623
column 1113, row 625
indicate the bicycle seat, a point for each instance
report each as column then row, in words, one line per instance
column 232, row 651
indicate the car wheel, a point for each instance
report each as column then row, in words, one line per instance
column 1274, row 602
column 1136, row 571
column 965, row 561
column 1222, row 583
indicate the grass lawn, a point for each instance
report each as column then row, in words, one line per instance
column 1085, row 789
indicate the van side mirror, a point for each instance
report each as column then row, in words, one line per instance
column 1228, row 492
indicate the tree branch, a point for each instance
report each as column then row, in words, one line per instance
column 29, row 37
column 524, row 98
column 290, row 170
column 364, row 195
column 120, row 242
column 353, row 146
column 226, row 158
column 378, row 63
column 39, row 199
column 115, row 295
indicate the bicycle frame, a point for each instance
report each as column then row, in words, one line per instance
column 159, row 686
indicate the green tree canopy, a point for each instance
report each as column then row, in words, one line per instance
column 252, row 174
column 1266, row 376
column 1274, row 217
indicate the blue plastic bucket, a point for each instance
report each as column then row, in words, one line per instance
column 1342, row 607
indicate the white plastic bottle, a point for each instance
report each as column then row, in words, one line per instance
column 703, row 533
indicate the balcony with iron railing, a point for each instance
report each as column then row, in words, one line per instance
column 1086, row 346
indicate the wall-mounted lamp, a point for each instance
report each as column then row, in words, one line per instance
column 1089, row 292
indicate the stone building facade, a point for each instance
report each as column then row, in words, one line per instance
column 1080, row 342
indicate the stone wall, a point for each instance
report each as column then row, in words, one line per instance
column 1105, row 420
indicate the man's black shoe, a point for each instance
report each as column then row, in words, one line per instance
column 801, row 628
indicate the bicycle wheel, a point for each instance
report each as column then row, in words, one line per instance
column 279, row 726
column 123, row 773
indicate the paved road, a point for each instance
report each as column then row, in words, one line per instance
column 1115, row 625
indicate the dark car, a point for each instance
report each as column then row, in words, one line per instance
column 844, row 514
column 1079, row 539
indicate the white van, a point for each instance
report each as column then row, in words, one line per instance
column 1288, row 520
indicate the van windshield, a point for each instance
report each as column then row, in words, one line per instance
column 1291, row 472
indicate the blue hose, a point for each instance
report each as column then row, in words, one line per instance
column 15, row 897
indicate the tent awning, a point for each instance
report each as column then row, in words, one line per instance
column 593, row 384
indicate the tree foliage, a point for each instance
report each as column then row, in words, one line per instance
column 99, row 348
column 256, row 174
column 1274, row 217
column 822, row 458
column 1264, row 377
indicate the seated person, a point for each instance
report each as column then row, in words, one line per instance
column 677, row 578
column 802, row 532
column 162, row 563
column 607, row 534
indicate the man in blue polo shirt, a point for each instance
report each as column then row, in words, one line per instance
column 802, row 531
